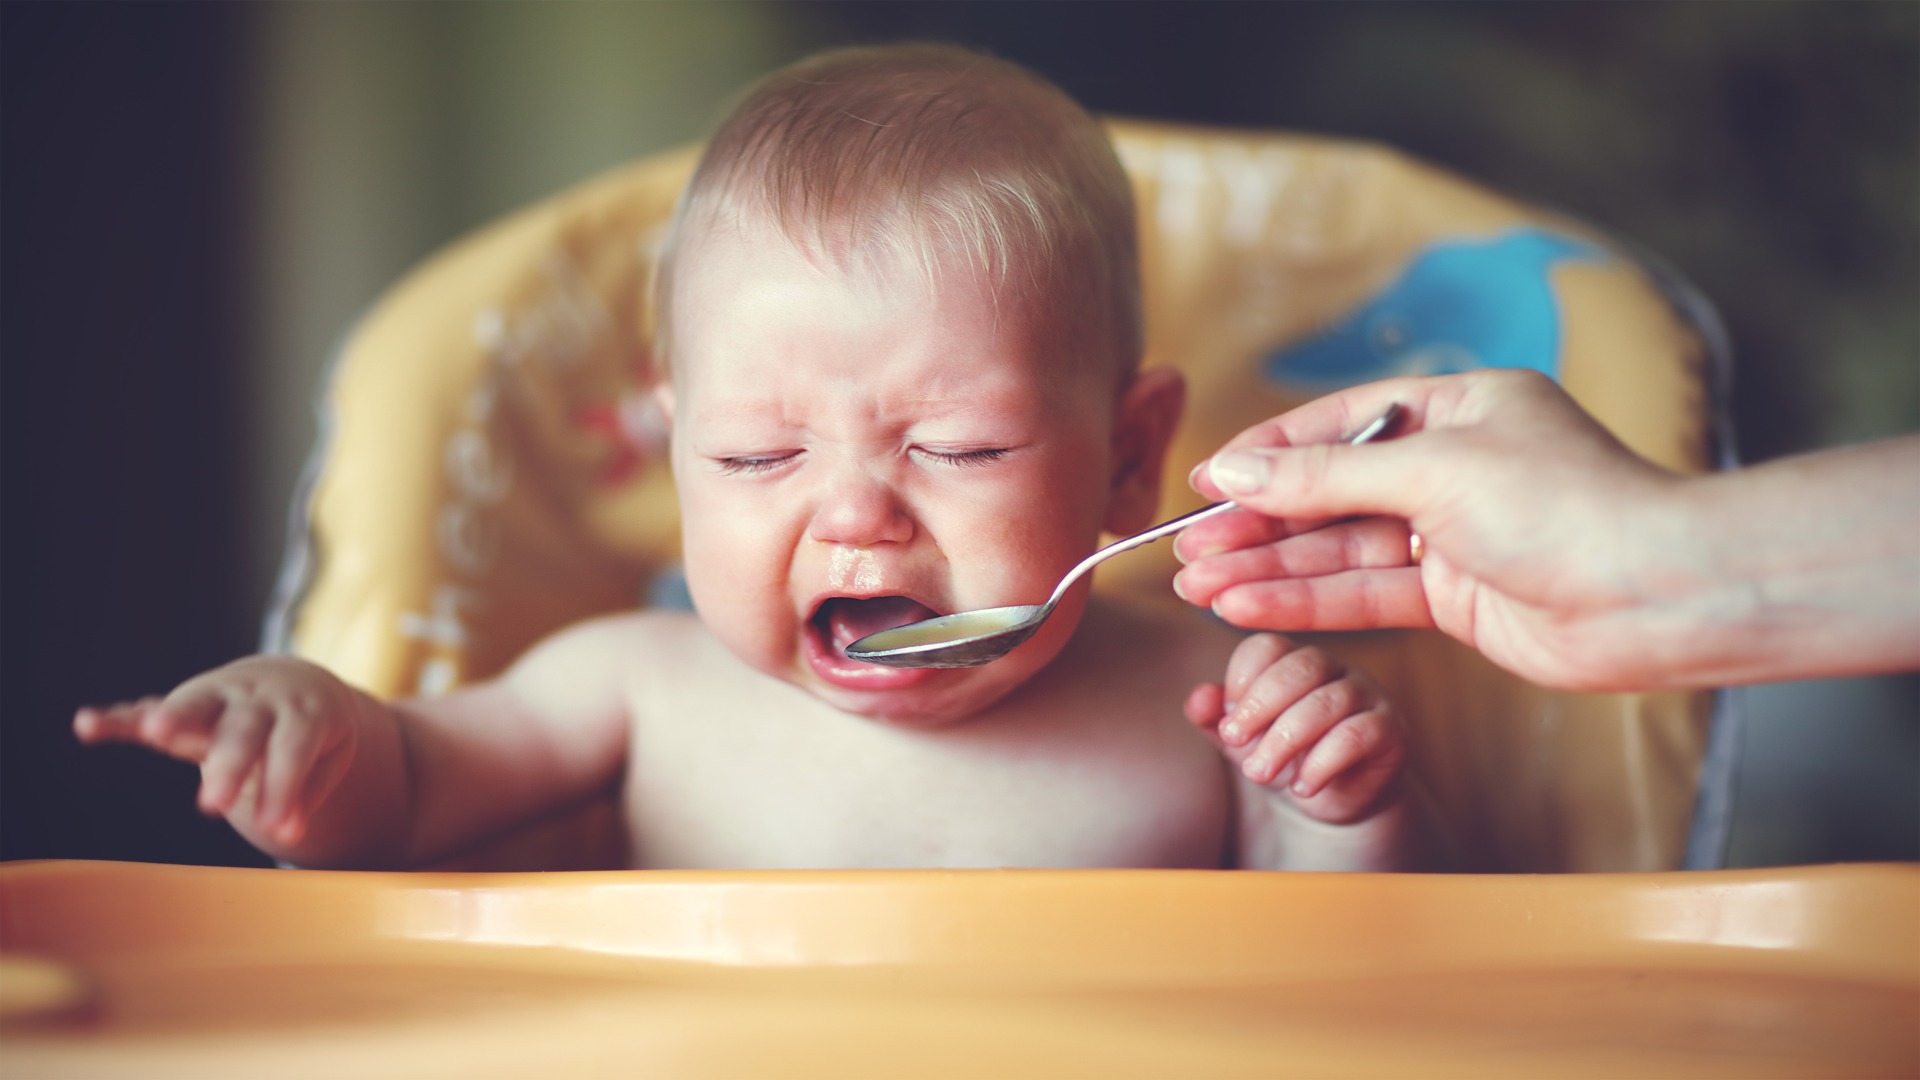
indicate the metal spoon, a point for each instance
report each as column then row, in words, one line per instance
column 972, row 638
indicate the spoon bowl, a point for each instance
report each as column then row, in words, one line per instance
column 981, row 636
column 963, row 639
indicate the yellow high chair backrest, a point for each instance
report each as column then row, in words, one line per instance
column 491, row 468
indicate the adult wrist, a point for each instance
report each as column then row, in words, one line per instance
column 1806, row 567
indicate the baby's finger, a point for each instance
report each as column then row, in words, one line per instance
column 1276, row 689
column 235, row 753
column 1250, row 659
column 323, row 776
column 1205, row 705
column 1301, row 727
column 1363, row 749
column 182, row 725
column 119, row 722
column 292, row 752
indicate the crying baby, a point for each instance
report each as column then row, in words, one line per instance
column 899, row 317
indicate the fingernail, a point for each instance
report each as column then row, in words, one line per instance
column 1179, row 591
column 1230, row 732
column 1193, row 475
column 1240, row 472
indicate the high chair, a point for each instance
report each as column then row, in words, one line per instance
column 490, row 468
column 490, row 471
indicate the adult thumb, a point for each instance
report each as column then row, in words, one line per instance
column 1317, row 481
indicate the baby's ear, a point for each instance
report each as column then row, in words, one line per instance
column 1143, row 426
column 663, row 397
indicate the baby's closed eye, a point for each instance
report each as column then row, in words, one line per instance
column 754, row 464
column 966, row 459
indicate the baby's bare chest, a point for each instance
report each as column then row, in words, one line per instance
column 755, row 789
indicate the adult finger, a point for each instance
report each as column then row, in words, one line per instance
column 1328, row 480
column 1353, row 600
column 1425, row 404
column 1235, row 530
column 1342, row 415
column 1365, row 544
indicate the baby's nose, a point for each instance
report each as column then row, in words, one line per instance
column 860, row 510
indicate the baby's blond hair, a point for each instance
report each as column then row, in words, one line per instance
column 913, row 156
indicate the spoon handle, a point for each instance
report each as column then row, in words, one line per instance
column 1172, row 525
column 1165, row 528
column 1372, row 431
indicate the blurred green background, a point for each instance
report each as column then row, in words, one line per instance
column 197, row 199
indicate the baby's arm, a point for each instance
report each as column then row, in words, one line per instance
column 316, row 773
column 1319, row 750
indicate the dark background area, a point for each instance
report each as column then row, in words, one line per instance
column 1768, row 150
column 119, row 163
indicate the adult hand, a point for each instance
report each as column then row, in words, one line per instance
column 1554, row 550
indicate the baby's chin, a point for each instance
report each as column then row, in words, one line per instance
column 951, row 697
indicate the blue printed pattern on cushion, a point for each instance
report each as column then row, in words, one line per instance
column 1459, row 305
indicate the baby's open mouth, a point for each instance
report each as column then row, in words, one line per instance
column 843, row 620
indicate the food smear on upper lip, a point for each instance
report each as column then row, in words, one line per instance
column 847, row 619
column 854, row 571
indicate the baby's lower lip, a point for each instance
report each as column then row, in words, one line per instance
column 834, row 668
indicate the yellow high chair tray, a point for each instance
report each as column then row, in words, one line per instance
column 125, row 970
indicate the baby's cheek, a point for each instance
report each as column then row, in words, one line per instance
column 729, row 607
column 1021, row 555
column 760, row 638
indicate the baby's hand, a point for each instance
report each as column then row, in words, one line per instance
column 272, row 736
column 1298, row 721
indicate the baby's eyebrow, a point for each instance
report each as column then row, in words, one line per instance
column 996, row 397
column 775, row 411
column 988, row 403
column 753, row 411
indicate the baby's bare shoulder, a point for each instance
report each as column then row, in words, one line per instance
column 646, row 643
column 626, row 628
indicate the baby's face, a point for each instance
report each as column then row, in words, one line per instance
column 853, row 455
